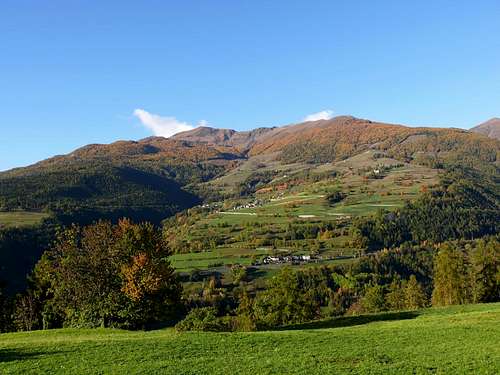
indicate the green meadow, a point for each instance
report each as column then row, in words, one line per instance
column 21, row 218
column 210, row 259
column 453, row 340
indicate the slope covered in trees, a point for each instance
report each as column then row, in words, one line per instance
column 145, row 180
column 466, row 204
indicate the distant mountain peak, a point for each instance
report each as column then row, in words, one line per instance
column 490, row 128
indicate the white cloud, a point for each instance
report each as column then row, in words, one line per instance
column 164, row 126
column 327, row 114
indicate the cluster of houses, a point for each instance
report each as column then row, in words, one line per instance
column 277, row 197
column 256, row 203
column 211, row 205
column 294, row 259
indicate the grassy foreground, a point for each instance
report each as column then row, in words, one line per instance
column 456, row 340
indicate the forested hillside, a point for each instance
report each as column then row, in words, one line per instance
column 252, row 230
column 145, row 180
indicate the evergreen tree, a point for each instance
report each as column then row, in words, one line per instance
column 245, row 319
column 414, row 296
column 373, row 299
column 450, row 277
column 395, row 298
column 485, row 262
column 285, row 301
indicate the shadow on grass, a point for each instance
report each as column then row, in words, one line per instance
column 255, row 272
column 349, row 321
column 10, row 355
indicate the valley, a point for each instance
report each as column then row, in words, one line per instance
column 343, row 229
column 242, row 231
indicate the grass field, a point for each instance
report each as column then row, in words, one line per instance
column 190, row 261
column 21, row 218
column 455, row 340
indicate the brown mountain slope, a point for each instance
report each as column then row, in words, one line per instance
column 224, row 137
column 346, row 132
column 344, row 136
column 153, row 150
column 490, row 128
column 156, row 172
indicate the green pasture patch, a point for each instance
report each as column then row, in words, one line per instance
column 21, row 218
column 455, row 340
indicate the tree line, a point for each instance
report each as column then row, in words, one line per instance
column 404, row 278
column 106, row 275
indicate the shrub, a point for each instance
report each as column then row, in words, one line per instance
column 373, row 300
column 335, row 197
column 204, row 319
column 340, row 301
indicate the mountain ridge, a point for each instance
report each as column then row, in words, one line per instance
column 241, row 140
column 158, row 171
column 344, row 136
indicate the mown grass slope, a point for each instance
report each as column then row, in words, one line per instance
column 21, row 218
column 455, row 340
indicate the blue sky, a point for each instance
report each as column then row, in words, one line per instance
column 74, row 72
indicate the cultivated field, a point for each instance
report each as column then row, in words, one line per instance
column 21, row 218
column 455, row 340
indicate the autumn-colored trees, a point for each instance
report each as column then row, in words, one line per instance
column 119, row 276
column 105, row 275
